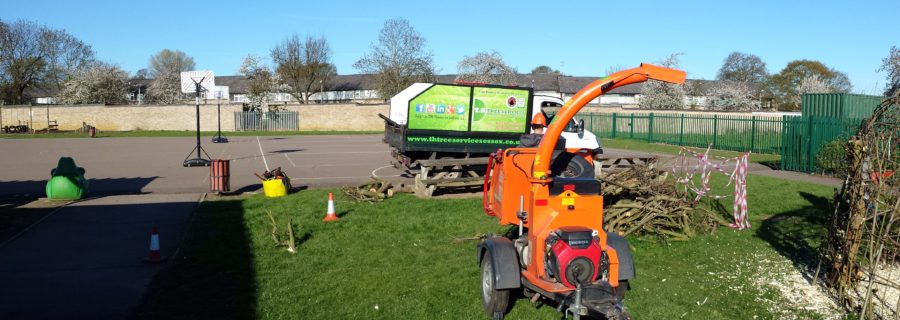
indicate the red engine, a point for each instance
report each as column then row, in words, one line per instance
column 575, row 256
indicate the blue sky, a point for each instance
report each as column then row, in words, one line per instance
column 581, row 38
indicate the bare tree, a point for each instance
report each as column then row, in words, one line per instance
column 662, row 95
column 303, row 65
column 614, row 68
column 165, row 67
column 743, row 67
column 398, row 59
column 35, row 56
column 99, row 83
column 141, row 74
column 487, row 67
column 263, row 82
column 891, row 64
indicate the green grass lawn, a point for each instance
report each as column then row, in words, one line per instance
column 130, row 134
column 638, row 145
column 397, row 260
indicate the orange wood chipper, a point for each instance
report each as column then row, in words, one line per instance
column 560, row 250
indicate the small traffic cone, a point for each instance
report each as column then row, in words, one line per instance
column 330, row 215
column 154, row 256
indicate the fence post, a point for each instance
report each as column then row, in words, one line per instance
column 752, row 132
column 591, row 123
column 809, row 146
column 614, row 125
column 681, row 133
column 715, row 130
column 650, row 128
column 631, row 126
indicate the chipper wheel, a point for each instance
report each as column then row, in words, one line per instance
column 495, row 301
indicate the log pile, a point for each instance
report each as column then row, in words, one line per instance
column 376, row 191
column 644, row 201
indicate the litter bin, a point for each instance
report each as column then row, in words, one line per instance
column 220, row 175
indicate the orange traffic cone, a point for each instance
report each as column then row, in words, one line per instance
column 330, row 215
column 154, row 256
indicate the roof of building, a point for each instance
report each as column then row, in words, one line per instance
column 352, row 82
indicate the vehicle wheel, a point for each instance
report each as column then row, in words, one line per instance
column 570, row 165
column 495, row 301
column 622, row 289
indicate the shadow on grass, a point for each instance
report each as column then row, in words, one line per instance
column 796, row 234
column 213, row 276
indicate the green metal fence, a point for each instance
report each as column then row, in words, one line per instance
column 760, row 134
column 806, row 144
column 816, row 144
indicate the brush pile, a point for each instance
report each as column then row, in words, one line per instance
column 644, row 201
column 375, row 191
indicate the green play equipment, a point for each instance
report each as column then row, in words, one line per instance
column 67, row 181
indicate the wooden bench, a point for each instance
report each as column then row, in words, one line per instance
column 52, row 125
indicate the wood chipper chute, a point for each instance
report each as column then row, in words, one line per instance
column 560, row 251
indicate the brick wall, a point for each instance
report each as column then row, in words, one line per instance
column 347, row 117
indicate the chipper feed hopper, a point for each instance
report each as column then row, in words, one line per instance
column 560, row 250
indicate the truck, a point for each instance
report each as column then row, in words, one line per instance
column 442, row 133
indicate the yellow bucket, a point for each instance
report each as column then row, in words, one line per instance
column 274, row 188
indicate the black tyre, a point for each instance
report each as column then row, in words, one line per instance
column 495, row 301
column 570, row 165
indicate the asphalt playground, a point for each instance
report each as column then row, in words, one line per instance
column 154, row 165
column 84, row 260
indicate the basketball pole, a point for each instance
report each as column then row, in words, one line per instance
column 199, row 161
column 219, row 138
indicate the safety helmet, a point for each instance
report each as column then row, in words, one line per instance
column 539, row 119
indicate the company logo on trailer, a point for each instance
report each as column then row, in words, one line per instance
column 511, row 102
column 440, row 109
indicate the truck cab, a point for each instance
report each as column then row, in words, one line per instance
column 574, row 133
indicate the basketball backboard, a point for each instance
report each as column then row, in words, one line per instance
column 204, row 77
column 218, row 93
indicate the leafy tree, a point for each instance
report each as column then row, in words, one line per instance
column 301, row 65
column 262, row 84
column 743, row 67
column 398, row 59
column 165, row 67
column 487, row 67
column 544, row 69
column 35, row 56
column 891, row 64
column 99, row 83
column 786, row 84
column 661, row 95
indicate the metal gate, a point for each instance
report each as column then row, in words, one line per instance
column 266, row 121
column 805, row 140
